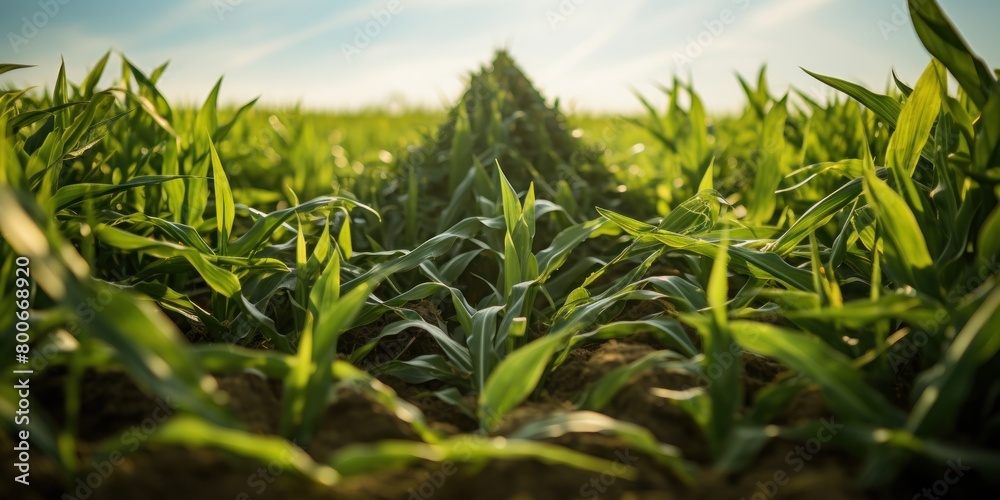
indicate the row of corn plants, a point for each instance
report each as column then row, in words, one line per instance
column 823, row 236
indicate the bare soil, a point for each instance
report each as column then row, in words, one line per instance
column 114, row 409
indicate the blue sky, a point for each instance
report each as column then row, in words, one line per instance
column 589, row 53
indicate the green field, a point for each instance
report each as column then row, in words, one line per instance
column 500, row 300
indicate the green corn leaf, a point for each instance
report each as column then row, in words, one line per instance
column 514, row 378
column 331, row 310
column 269, row 450
column 706, row 183
column 332, row 315
column 153, row 352
column 225, row 209
column 60, row 94
column 528, row 214
column 907, row 249
column 425, row 368
column 221, row 280
column 4, row 68
column 174, row 189
column 845, row 390
column 598, row 394
column 770, row 169
column 223, row 131
column 264, row 323
column 432, row 248
column 764, row 265
column 267, row 224
column 511, row 264
column 481, row 341
column 90, row 81
column 514, row 315
column 988, row 243
column 850, row 169
column 207, row 118
column 936, row 410
column 885, row 107
column 863, row 312
column 696, row 215
column 772, row 399
column 29, row 117
column 552, row 258
column 460, row 200
column 667, row 330
column 744, row 445
column 75, row 194
column 156, row 104
column 388, row 454
column 461, row 149
column 683, row 294
column 511, row 204
column 987, row 142
column 457, row 354
column 915, row 121
column 344, row 238
column 634, row 436
column 96, row 109
column 944, row 43
column 726, row 391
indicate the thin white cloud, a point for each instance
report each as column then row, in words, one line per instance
column 248, row 55
column 594, row 58
column 622, row 15
column 437, row 4
column 782, row 11
column 180, row 14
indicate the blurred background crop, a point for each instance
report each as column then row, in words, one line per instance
column 404, row 53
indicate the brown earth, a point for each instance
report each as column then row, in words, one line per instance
column 114, row 409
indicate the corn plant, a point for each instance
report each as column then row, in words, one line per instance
column 852, row 244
